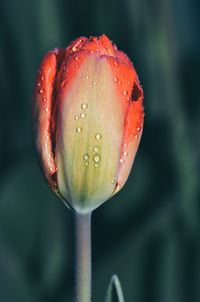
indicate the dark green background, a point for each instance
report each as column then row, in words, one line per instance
column 149, row 233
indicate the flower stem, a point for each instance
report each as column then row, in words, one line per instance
column 83, row 256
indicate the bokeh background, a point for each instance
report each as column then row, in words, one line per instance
column 149, row 233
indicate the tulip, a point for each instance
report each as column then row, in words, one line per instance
column 88, row 119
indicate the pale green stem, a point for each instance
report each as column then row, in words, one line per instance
column 83, row 257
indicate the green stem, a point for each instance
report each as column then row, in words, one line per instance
column 83, row 256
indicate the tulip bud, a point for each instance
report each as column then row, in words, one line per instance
column 88, row 118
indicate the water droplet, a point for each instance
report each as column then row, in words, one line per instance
column 115, row 79
column 46, row 145
column 42, row 78
column 128, row 98
column 94, row 83
column 124, row 92
column 118, row 187
column 97, row 158
column 98, row 83
column 119, row 82
column 121, row 160
column 39, row 84
column 86, row 163
column 138, row 128
column 97, row 117
column 83, row 115
column 76, row 65
column 76, row 58
column 44, row 99
column 87, row 77
column 125, row 153
column 76, row 117
column 86, row 156
column 78, row 130
column 84, row 106
column 47, row 109
column 98, row 136
column 96, row 149
column 136, row 135
column 116, row 63
column 74, row 48
column 64, row 83
column 41, row 91
column 96, row 165
column 113, row 180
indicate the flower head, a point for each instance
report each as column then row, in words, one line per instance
column 88, row 118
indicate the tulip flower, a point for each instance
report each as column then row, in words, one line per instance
column 88, row 121
column 88, row 117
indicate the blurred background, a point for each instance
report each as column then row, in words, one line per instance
column 149, row 233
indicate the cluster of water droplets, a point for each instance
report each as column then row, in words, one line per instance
column 96, row 157
column 119, row 82
column 82, row 115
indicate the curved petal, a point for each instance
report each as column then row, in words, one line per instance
column 132, row 134
column 43, row 105
column 89, row 132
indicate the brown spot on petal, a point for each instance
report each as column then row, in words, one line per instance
column 136, row 92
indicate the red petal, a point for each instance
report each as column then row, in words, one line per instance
column 133, row 127
column 44, row 101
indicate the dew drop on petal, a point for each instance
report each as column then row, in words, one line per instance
column 98, row 136
column 78, row 130
column 113, row 180
column 125, row 153
column 136, row 135
column 138, row 129
column 83, row 115
column 116, row 63
column 64, row 83
column 121, row 160
column 119, row 82
column 97, row 158
column 115, row 80
column 96, row 149
column 76, row 117
column 39, row 84
column 96, row 165
column 41, row 91
column 124, row 92
column 87, row 77
column 86, row 156
column 84, row 106
column 86, row 163
column 118, row 187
